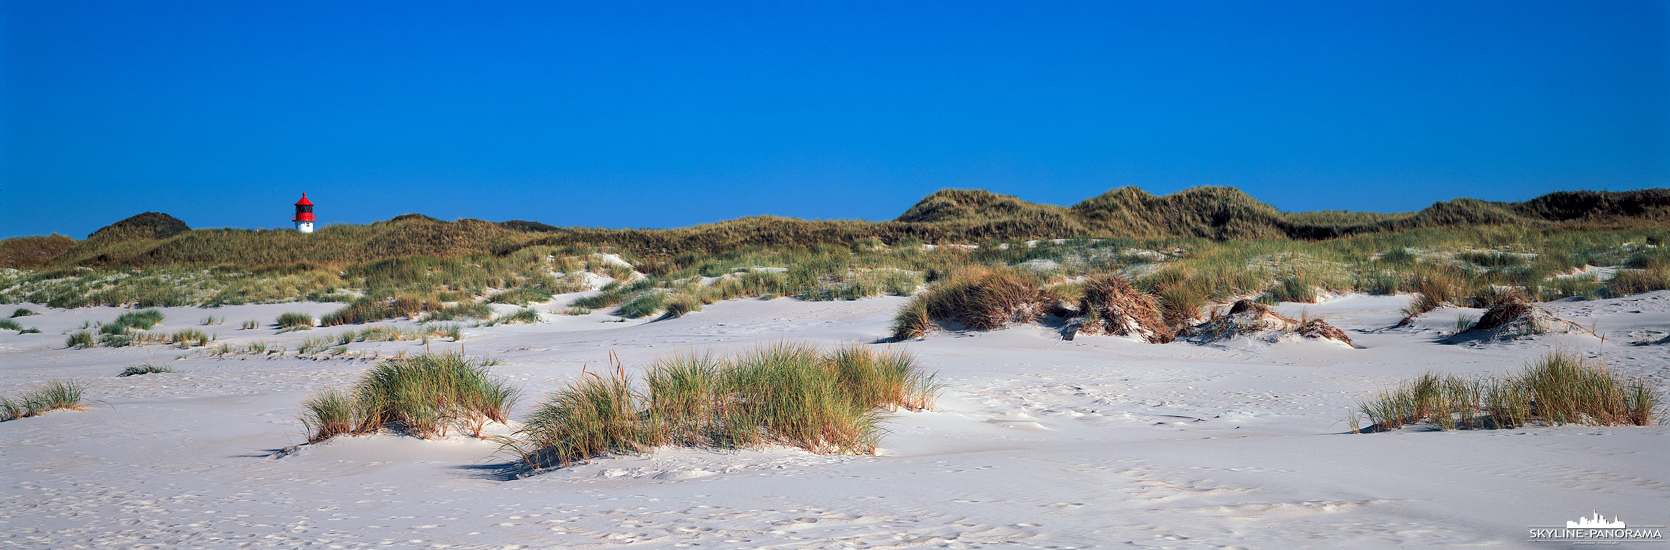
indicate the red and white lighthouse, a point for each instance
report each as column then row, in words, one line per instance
column 304, row 215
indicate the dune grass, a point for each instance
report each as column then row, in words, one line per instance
column 189, row 337
column 80, row 339
column 294, row 320
column 144, row 368
column 462, row 310
column 521, row 296
column 521, row 316
column 1558, row 388
column 423, row 396
column 59, row 394
column 976, row 298
column 790, row 394
column 22, row 312
column 8, row 324
column 140, row 320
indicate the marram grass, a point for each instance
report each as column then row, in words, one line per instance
column 1558, row 388
column 423, row 395
column 789, row 394
column 56, row 395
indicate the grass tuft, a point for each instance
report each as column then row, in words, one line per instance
column 422, row 395
column 294, row 320
column 22, row 312
column 80, row 339
column 785, row 394
column 144, row 368
column 56, row 395
column 1558, row 388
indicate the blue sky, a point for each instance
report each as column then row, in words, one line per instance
column 669, row 114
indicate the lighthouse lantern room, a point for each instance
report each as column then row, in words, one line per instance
column 304, row 215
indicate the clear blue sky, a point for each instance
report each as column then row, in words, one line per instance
column 668, row 114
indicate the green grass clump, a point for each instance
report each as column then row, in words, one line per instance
column 189, row 337
column 250, row 324
column 521, row 296
column 80, row 339
column 8, row 324
column 976, row 298
column 1492, row 258
column 1294, row 289
column 56, row 395
column 463, row 310
column 144, row 368
column 141, row 320
column 912, row 321
column 1558, row 388
column 1637, row 281
column 22, row 312
column 524, row 316
column 294, row 320
column 368, row 309
column 784, row 394
column 643, row 305
column 681, row 305
column 422, row 395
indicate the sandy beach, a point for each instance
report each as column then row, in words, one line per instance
column 1036, row 442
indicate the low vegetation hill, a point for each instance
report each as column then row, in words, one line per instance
column 948, row 216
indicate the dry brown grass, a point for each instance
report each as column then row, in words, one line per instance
column 1112, row 306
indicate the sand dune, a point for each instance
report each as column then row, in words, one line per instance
column 1037, row 442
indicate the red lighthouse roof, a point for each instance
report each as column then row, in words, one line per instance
column 304, row 201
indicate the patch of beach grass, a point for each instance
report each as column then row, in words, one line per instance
column 144, row 368
column 58, row 394
column 422, row 395
column 189, row 337
column 790, row 394
column 521, row 316
column 1557, row 388
column 462, row 310
column 80, row 339
column 294, row 320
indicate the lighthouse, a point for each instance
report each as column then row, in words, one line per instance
column 304, row 215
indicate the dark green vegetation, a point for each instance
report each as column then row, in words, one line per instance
column 56, row 395
column 1559, row 388
column 144, row 368
column 421, row 396
column 295, row 320
column 1185, row 251
column 824, row 402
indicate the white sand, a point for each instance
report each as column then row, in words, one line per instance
column 1037, row 443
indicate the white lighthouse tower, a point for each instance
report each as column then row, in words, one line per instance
column 304, row 215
